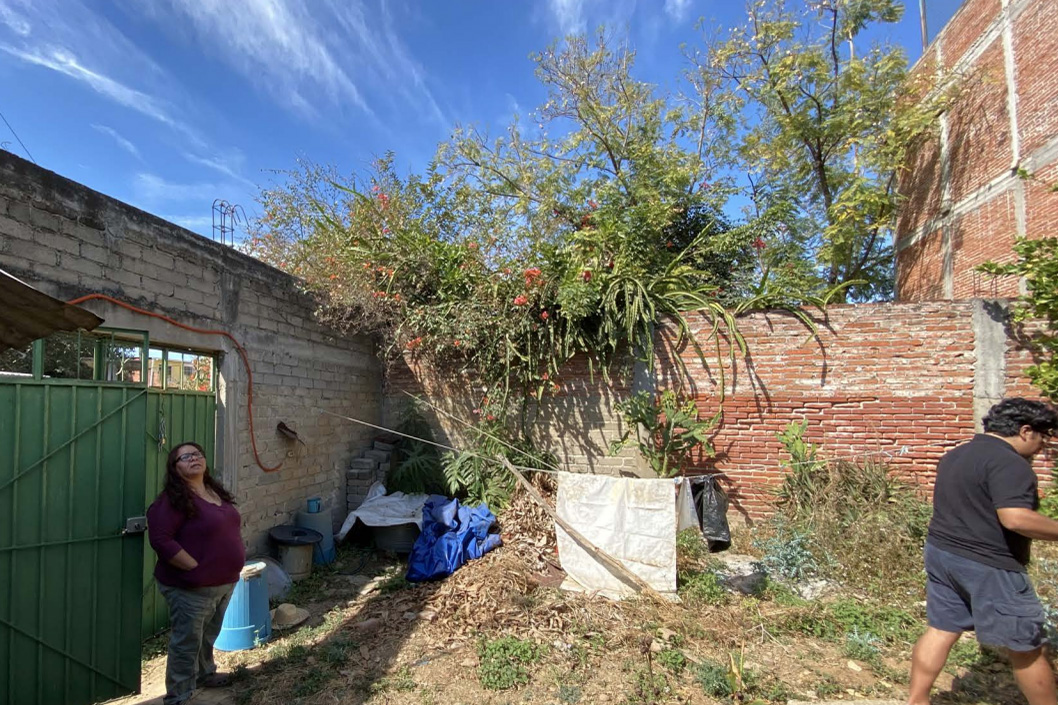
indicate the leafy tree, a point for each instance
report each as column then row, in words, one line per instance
column 827, row 128
column 1036, row 311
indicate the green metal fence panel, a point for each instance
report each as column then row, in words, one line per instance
column 173, row 417
column 71, row 473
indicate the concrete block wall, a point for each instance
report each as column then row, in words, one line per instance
column 370, row 466
column 68, row 240
column 967, row 195
column 576, row 418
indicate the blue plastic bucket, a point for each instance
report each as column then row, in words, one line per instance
column 314, row 505
column 247, row 621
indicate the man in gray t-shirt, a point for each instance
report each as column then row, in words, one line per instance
column 984, row 520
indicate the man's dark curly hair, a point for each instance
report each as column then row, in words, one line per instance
column 180, row 495
column 1008, row 416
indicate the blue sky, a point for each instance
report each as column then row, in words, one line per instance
column 170, row 104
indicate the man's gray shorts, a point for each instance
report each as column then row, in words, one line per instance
column 999, row 605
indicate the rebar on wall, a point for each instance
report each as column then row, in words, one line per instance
column 225, row 219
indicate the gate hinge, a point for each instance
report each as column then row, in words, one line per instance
column 134, row 525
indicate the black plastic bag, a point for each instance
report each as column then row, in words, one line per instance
column 710, row 503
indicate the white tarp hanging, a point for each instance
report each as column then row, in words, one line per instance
column 631, row 519
column 380, row 509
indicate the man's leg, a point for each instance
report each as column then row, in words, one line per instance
column 1034, row 676
column 927, row 659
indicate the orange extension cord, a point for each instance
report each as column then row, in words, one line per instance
column 203, row 331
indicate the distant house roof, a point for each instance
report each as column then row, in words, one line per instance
column 28, row 314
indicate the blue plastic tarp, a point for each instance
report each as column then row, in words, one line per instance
column 451, row 535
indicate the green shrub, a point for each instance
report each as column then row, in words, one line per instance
column 416, row 466
column 703, row 587
column 714, row 679
column 786, row 554
column 673, row 660
column 691, row 546
column 861, row 525
column 503, row 661
column 862, row 646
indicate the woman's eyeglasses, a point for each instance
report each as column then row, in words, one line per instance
column 188, row 457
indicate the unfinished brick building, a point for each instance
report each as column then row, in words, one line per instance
column 988, row 175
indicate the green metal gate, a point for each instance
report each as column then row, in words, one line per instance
column 72, row 455
column 172, row 417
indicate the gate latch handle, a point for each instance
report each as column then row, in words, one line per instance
column 134, row 525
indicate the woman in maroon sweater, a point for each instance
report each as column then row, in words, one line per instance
column 194, row 528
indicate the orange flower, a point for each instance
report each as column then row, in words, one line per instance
column 520, row 300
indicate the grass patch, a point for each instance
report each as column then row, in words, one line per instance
column 312, row 682
column 401, row 682
column 702, row 587
column 503, row 662
column 648, row 686
column 846, row 616
column 672, row 660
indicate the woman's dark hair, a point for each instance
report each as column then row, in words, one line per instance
column 178, row 491
column 1008, row 416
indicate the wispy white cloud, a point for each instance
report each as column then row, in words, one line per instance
column 191, row 222
column 15, row 21
column 65, row 62
column 123, row 142
column 71, row 39
column 677, row 9
column 230, row 166
column 153, row 190
column 569, row 15
column 310, row 56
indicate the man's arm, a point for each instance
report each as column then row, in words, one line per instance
column 1028, row 522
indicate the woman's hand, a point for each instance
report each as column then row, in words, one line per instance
column 184, row 561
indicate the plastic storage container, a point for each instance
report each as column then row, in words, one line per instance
column 324, row 552
column 247, row 621
column 295, row 545
column 399, row 538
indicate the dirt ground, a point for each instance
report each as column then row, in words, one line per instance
column 373, row 638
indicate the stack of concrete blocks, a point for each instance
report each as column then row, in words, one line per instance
column 364, row 471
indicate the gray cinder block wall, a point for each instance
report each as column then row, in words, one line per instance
column 69, row 240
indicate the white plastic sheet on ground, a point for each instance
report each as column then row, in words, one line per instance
column 380, row 509
column 631, row 519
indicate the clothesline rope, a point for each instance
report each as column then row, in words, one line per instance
column 902, row 450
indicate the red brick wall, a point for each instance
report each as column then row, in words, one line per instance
column 985, row 233
column 876, row 379
column 986, row 194
column 919, row 269
column 894, row 382
column 1036, row 65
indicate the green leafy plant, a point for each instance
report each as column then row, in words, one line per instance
column 415, row 467
column 672, row 660
column 845, row 616
column 713, row 679
column 475, row 475
column 787, row 554
column 837, row 510
column 1036, row 311
column 703, row 587
column 671, row 429
column 502, row 662
column 862, row 646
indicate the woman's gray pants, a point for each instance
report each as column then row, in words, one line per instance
column 195, row 618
